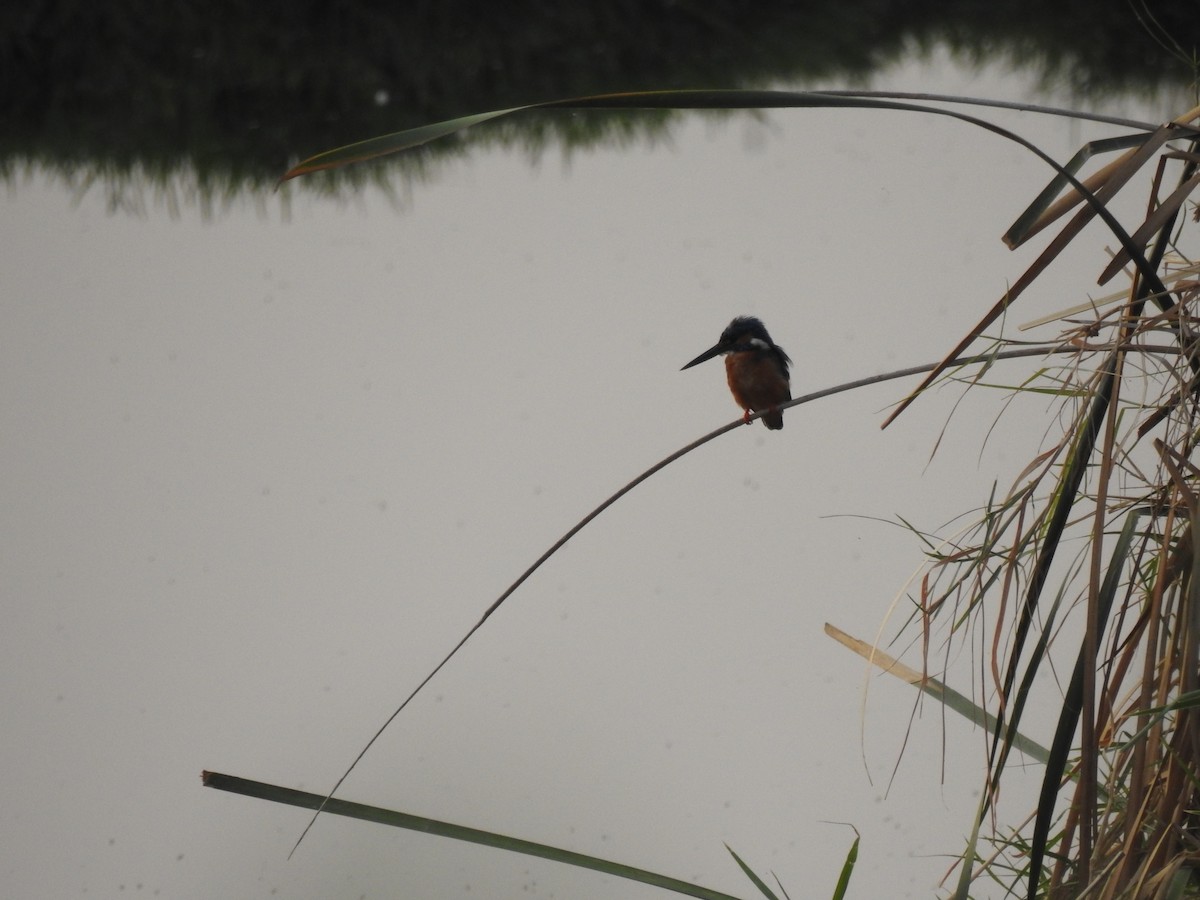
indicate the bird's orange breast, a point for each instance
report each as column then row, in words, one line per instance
column 757, row 384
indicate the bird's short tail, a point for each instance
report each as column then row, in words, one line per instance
column 773, row 419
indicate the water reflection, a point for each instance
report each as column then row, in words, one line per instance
column 230, row 103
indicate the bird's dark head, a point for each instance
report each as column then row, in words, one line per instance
column 744, row 333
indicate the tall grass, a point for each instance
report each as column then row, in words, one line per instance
column 1116, row 492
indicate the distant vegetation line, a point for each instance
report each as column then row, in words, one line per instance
column 233, row 90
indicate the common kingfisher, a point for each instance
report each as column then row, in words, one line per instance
column 756, row 368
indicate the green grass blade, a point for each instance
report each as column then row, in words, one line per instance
column 457, row 832
column 677, row 99
column 1066, row 493
column 1060, row 748
column 390, row 143
column 962, row 890
column 943, row 693
column 1157, row 714
column 758, row 882
column 839, row 892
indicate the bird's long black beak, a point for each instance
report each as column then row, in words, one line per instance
column 715, row 350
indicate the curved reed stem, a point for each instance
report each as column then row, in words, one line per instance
column 1040, row 350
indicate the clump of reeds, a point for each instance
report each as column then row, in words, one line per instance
column 1082, row 577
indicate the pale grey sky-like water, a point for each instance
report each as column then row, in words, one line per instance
column 261, row 473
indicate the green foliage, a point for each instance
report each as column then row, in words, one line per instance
column 395, row 819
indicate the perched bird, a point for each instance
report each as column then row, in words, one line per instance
column 756, row 368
